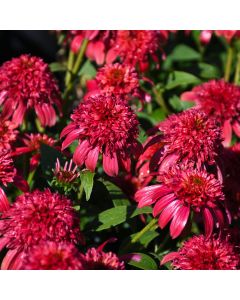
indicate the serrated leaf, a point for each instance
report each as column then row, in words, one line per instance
column 57, row 67
column 179, row 78
column 87, row 182
column 145, row 262
column 184, row 53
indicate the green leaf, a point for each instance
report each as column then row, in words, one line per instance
column 184, row 53
column 57, row 67
column 147, row 237
column 178, row 104
column 208, row 71
column 49, row 157
column 88, row 69
column 87, row 181
column 119, row 214
column 158, row 115
column 145, row 262
column 112, row 217
column 179, row 78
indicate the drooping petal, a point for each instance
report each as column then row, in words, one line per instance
column 188, row 96
column 4, row 203
column 149, row 194
column 71, row 137
column 208, row 222
column 92, row 158
column 81, row 153
column 168, row 213
column 167, row 162
column 162, row 203
column 110, row 164
column 179, row 221
column 8, row 261
column 227, row 133
column 236, row 128
column 169, row 257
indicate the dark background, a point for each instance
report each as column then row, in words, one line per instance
column 41, row 43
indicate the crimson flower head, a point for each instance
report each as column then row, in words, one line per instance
column 135, row 47
column 32, row 143
column 7, row 170
column 27, row 83
column 190, row 137
column 35, row 217
column 96, row 259
column 53, row 256
column 199, row 253
column 221, row 100
column 180, row 191
column 118, row 79
column 8, row 134
column 103, row 124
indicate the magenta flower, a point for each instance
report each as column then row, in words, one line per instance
column 181, row 191
column 135, row 47
column 190, row 137
column 66, row 174
column 96, row 259
column 103, row 124
column 36, row 217
column 53, row 256
column 27, row 83
column 199, row 253
column 8, row 134
column 117, row 79
column 32, row 143
column 221, row 100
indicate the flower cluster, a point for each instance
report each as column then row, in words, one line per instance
column 129, row 160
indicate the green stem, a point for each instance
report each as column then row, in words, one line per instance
column 69, row 67
column 30, row 178
column 80, row 57
column 145, row 229
column 237, row 72
column 75, row 68
column 228, row 65
column 160, row 100
column 39, row 127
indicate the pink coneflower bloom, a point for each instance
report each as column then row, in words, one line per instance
column 206, row 35
column 32, row 143
column 36, row 217
column 66, row 174
column 135, row 47
column 190, row 137
column 221, row 100
column 199, row 253
column 96, row 259
column 180, row 191
column 99, row 42
column 27, row 83
column 103, row 124
column 7, row 175
column 118, row 79
column 8, row 134
column 53, row 256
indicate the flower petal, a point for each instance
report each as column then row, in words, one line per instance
column 179, row 221
column 110, row 164
column 168, row 213
column 208, row 222
column 169, row 257
column 92, row 158
column 162, row 203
